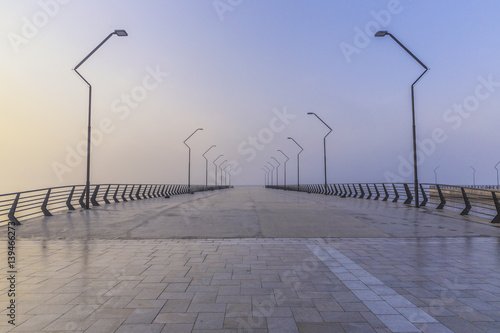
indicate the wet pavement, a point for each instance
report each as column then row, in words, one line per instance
column 254, row 260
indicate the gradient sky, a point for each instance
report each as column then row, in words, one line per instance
column 230, row 66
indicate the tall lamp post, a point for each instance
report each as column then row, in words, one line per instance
column 498, row 180
column 436, row 174
column 324, row 145
column 189, row 159
column 265, row 177
column 284, row 174
column 216, row 168
column 298, row 164
column 268, row 172
column 473, row 176
column 220, row 169
column 277, row 171
column 272, row 170
column 120, row 33
column 206, row 165
column 225, row 174
column 385, row 33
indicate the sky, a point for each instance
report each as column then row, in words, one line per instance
column 248, row 72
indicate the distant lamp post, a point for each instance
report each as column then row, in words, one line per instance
column 298, row 162
column 220, row 169
column 216, row 168
column 272, row 171
column 120, row 33
column 277, row 171
column 189, row 159
column 229, row 174
column 225, row 174
column 473, row 176
column 265, row 176
column 436, row 174
column 382, row 34
column 498, row 180
column 268, row 172
column 324, row 146
column 206, row 165
column 284, row 167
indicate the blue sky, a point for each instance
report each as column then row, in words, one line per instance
column 231, row 67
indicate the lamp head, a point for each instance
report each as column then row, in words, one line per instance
column 310, row 113
column 200, row 129
column 381, row 33
column 289, row 138
column 121, row 33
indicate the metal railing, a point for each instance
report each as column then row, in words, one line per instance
column 16, row 207
column 482, row 201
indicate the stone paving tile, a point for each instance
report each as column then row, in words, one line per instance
column 266, row 284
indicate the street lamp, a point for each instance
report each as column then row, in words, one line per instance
column 277, row 171
column 120, row 33
column 189, row 159
column 265, row 177
column 225, row 174
column 382, row 34
column 206, row 166
column 229, row 173
column 272, row 181
column 220, row 168
column 324, row 145
column 268, row 172
column 284, row 175
column 496, row 167
column 298, row 164
column 216, row 168
column 473, row 176
column 435, row 174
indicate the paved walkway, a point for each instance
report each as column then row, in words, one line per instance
column 254, row 260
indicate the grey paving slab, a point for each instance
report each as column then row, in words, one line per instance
column 365, row 275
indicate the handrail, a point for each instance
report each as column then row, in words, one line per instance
column 478, row 200
column 18, row 206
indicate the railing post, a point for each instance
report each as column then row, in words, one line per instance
column 94, row 196
column 105, row 198
column 344, row 192
column 409, row 197
column 362, row 192
column 350, row 192
column 137, row 193
column 395, row 193
column 424, row 196
column 131, row 193
column 355, row 191
column 144, row 191
column 441, row 198
column 377, row 191
column 496, row 219
column 81, row 201
column 369, row 191
column 149, row 192
column 12, row 211
column 115, row 196
column 167, row 191
column 45, row 203
column 386, row 193
column 335, row 191
column 467, row 203
column 124, row 193
column 68, row 201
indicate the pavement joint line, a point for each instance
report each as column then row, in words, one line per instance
column 379, row 304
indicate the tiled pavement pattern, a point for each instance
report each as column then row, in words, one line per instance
column 257, row 285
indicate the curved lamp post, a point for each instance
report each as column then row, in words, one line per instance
column 324, row 145
column 220, row 169
column 473, row 176
column 385, row 33
column 120, row 33
column 298, row 164
column 267, row 175
column 436, row 174
column 189, row 159
column 277, row 171
column 284, row 171
column 225, row 174
column 206, row 165
column 216, row 168
column 496, row 167
column 272, row 170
